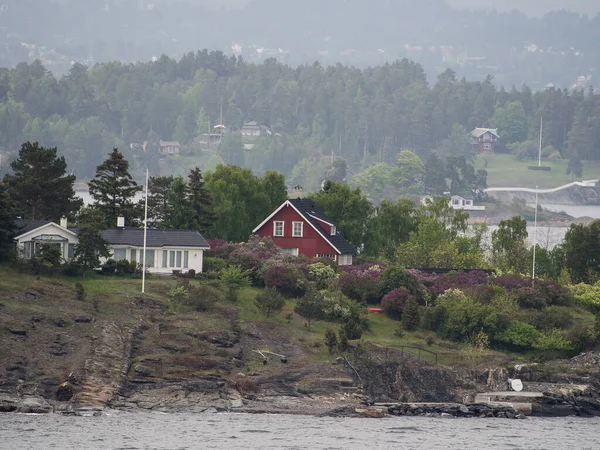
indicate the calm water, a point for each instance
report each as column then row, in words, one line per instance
column 122, row 430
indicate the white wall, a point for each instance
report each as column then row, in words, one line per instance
column 51, row 229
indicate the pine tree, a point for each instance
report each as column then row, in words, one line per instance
column 179, row 213
column 91, row 246
column 158, row 200
column 114, row 190
column 7, row 223
column 434, row 179
column 200, row 202
column 40, row 186
column 410, row 316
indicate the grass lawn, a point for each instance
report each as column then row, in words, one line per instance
column 507, row 171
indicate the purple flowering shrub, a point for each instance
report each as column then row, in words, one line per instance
column 288, row 279
column 393, row 302
column 361, row 283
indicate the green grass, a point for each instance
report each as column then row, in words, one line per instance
column 507, row 171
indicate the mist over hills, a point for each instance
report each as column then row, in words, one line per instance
column 512, row 47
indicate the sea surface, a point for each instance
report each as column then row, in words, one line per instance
column 153, row 431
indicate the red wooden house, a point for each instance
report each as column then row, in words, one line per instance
column 484, row 139
column 299, row 227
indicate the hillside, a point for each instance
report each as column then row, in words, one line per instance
column 124, row 349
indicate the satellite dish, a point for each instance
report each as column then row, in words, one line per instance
column 516, row 385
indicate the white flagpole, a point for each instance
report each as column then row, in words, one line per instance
column 540, row 150
column 535, row 233
column 145, row 235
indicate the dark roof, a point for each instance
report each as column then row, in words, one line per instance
column 155, row 238
column 308, row 208
column 25, row 226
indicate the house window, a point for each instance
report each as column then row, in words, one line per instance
column 297, row 229
column 186, row 259
column 345, row 260
column 27, row 250
column 333, row 230
column 456, row 201
column 487, row 146
column 325, row 256
column 278, row 228
column 290, row 251
column 133, row 255
column 71, row 251
column 164, row 258
column 120, row 254
column 172, row 258
column 149, row 258
column 178, row 259
column 468, row 202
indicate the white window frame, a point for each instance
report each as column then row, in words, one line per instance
column 122, row 254
column 290, row 251
column 300, row 232
column 326, row 256
column 275, row 223
column 487, row 146
column 345, row 260
column 332, row 230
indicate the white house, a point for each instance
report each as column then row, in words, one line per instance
column 466, row 203
column 166, row 250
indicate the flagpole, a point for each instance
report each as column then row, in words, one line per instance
column 145, row 235
column 540, row 150
column 534, row 233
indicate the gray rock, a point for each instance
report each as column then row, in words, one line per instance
column 236, row 403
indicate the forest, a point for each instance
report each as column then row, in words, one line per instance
column 336, row 122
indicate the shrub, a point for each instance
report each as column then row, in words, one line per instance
column 322, row 273
column 545, row 168
column 204, row 296
column 518, row 336
column 234, row 278
column 287, row 279
column 552, row 317
column 310, row 306
column 352, row 329
column 122, row 267
column 71, row 269
column 554, row 341
column 410, row 316
column 109, row 267
column 269, row 302
column 529, row 297
column 80, row 291
column 360, row 285
column 394, row 302
column 214, row 264
column 393, row 277
column 331, row 340
column 587, row 296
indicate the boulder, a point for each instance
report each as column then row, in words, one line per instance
column 64, row 392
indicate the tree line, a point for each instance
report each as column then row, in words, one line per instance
column 326, row 122
column 229, row 202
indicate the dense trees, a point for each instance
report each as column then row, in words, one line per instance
column 331, row 123
column 7, row 225
column 39, row 184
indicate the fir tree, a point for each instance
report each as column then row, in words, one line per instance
column 7, row 223
column 113, row 190
column 40, row 186
column 158, row 200
column 91, row 246
column 200, row 202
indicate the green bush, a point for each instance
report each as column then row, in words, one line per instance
column 410, row 316
column 109, row 267
column 123, row 267
column 80, row 291
column 552, row 317
column 393, row 277
column 269, row 302
column 331, row 340
column 518, row 336
column 554, row 341
column 213, row 264
column 205, row 295
column 544, row 168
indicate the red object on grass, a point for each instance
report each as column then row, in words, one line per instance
column 375, row 310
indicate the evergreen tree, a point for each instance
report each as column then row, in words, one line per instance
column 40, row 186
column 7, row 222
column 178, row 215
column 200, row 202
column 91, row 246
column 410, row 315
column 158, row 200
column 114, row 190
column 310, row 306
column 434, row 180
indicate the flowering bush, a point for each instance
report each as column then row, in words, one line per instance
column 360, row 285
column 393, row 277
column 458, row 280
column 587, row 295
column 287, row 279
column 393, row 302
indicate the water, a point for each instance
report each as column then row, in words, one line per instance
column 154, row 431
column 576, row 211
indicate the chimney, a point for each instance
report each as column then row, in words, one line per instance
column 64, row 222
column 298, row 192
column 120, row 222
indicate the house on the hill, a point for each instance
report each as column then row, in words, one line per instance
column 300, row 227
column 167, row 251
column 254, row 129
column 169, row 148
column 484, row 139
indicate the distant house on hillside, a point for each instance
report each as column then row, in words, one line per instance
column 484, row 139
column 254, row 129
column 169, row 148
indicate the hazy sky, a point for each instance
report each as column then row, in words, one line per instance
column 530, row 7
